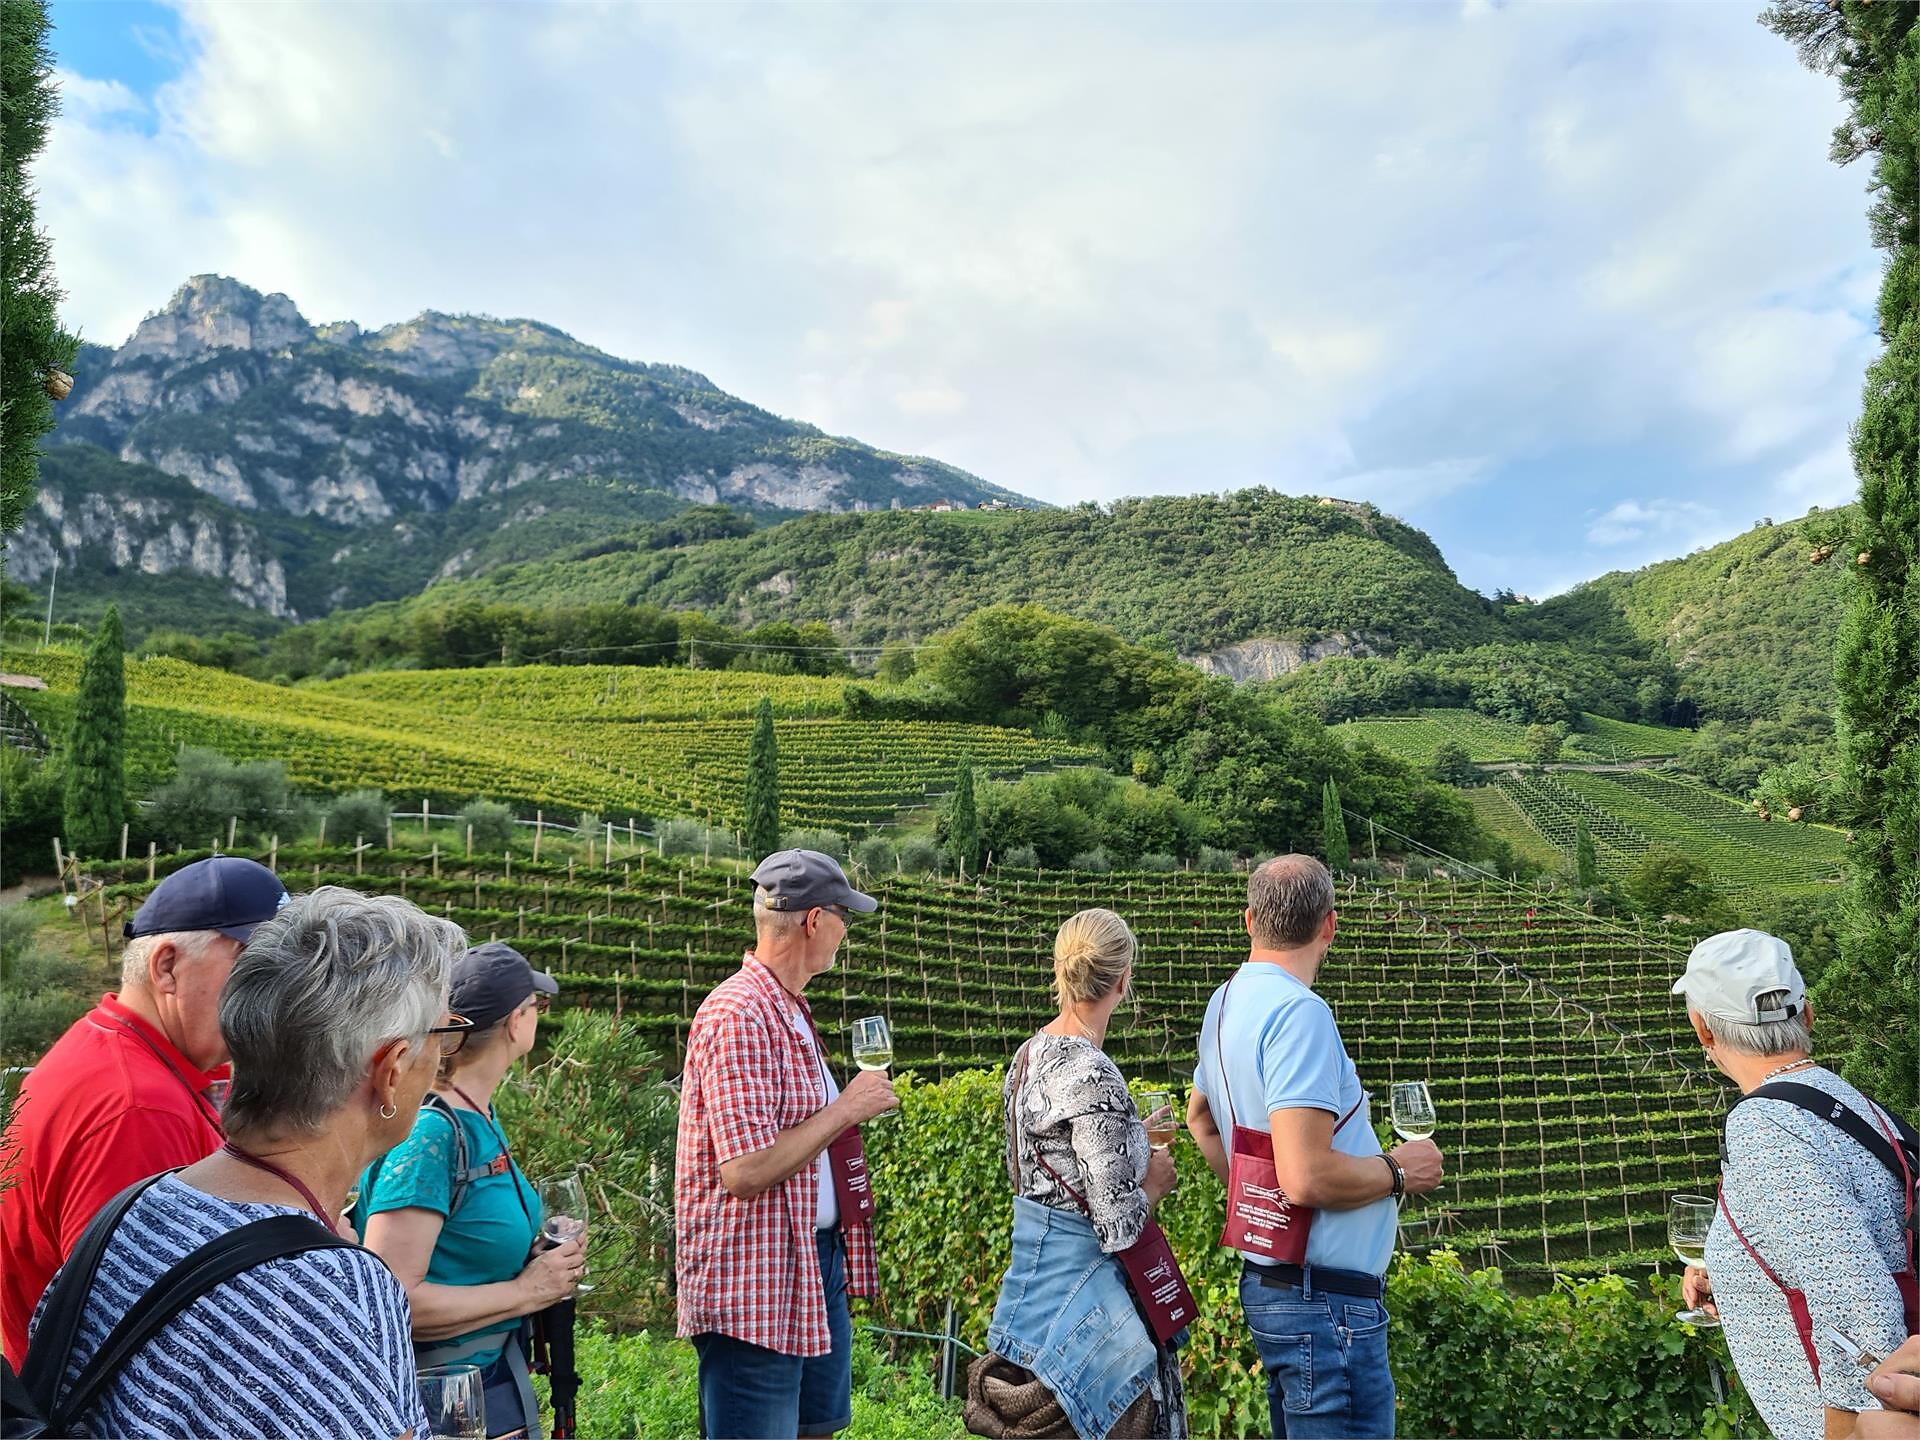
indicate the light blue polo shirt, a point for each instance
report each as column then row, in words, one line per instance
column 1282, row 1053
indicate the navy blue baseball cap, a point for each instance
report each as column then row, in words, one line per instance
column 492, row 980
column 226, row 893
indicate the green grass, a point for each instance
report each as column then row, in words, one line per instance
column 1499, row 816
column 1632, row 812
column 647, row 1387
column 651, row 742
column 1415, row 738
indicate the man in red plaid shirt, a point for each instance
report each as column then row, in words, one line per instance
column 769, row 1246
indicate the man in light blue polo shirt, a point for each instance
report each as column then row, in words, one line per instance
column 1272, row 1059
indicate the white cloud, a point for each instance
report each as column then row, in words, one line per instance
column 1080, row 251
column 1642, row 520
column 88, row 100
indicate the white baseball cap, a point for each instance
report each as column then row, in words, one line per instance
column 1726, row 974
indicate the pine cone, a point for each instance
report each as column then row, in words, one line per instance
column 59, row 384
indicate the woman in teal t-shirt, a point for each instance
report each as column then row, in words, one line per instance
column 461, row 1241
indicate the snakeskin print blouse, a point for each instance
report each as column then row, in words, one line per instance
column 1076, row 1115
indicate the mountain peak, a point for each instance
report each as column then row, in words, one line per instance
column 213, row 312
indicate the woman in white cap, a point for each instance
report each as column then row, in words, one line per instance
column 452, row 1213
column 1809, row 1240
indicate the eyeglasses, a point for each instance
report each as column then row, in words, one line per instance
column 541, row 1003
column 453, row 1034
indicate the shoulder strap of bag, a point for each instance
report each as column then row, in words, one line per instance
column 1013, row 1114
column 1873, row 1138
column 1796, row 1299
column 213, row 1264
column 463, row 1174
column 46, row 1358
column 1233, row 1117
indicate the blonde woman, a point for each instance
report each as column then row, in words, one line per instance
column 1071, row 1353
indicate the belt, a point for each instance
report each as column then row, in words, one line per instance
column 1341, row 1282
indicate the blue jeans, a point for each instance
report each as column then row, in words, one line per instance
column 748, row 1392
column 1325, row 1355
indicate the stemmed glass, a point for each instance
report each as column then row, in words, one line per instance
column 563, row 1199
column 1411, row 1108
column 455, row 1401
column 1156, row 1110
column 873, row 1044
column 1688, row 1220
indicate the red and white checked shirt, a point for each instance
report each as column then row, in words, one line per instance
column 749, row 1268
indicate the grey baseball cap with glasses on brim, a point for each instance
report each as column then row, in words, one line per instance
column 795, row 880
column 1727, row 974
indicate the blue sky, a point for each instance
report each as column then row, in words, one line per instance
column 1570, row 286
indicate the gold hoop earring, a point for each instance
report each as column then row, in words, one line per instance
column 387, row 1111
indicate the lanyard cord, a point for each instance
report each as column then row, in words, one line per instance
column 286, row 1176
column 203, row 1105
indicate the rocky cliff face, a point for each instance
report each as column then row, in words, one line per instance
column 236, row 396
column 1270, row 659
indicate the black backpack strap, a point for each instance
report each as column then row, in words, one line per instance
column 1837, row 1113
column 214, row 1263
column 46, row 1359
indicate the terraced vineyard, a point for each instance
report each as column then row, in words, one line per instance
column 566, row 739
column 1487, row 741
column 1630, row 812
column 1571, row 1098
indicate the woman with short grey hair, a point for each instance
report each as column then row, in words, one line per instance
column 1811, row 1218
column 335, row 1016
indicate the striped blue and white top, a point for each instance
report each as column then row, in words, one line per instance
column 313, row 1345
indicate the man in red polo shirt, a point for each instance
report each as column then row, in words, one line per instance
column 124, row 1093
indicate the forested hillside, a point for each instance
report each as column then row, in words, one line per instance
column 1193, row 573
column 1750, row 623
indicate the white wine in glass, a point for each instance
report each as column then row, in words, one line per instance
column 1689, row 1219
column 873, row 1047
column 1411, row 1109
column 872, row 1043
column 563, row 1199
column 1156, row 1111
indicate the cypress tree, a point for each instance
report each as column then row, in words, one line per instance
column 1333, row 828
column 96, row 798
column 963, row 823
column 1867, row 998
column 763, row 785
column 1586, row 864
column 33, row 347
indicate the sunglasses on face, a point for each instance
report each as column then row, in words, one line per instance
column 541, row 1003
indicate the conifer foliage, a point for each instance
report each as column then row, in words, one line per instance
column 1586, row 861
column 1868, row 996
column 96, row 798
column 1333, row 828
column 963, row 823
column 763, row 785
column 34, row 351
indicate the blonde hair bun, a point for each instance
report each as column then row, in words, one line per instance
column 1092, row 953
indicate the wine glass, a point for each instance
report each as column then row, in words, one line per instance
column 873, row 1043
column 1411, row 1108
column 1156, row 1111
column 1688, row 1220
column 455, row 1400
column 563, row 1199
